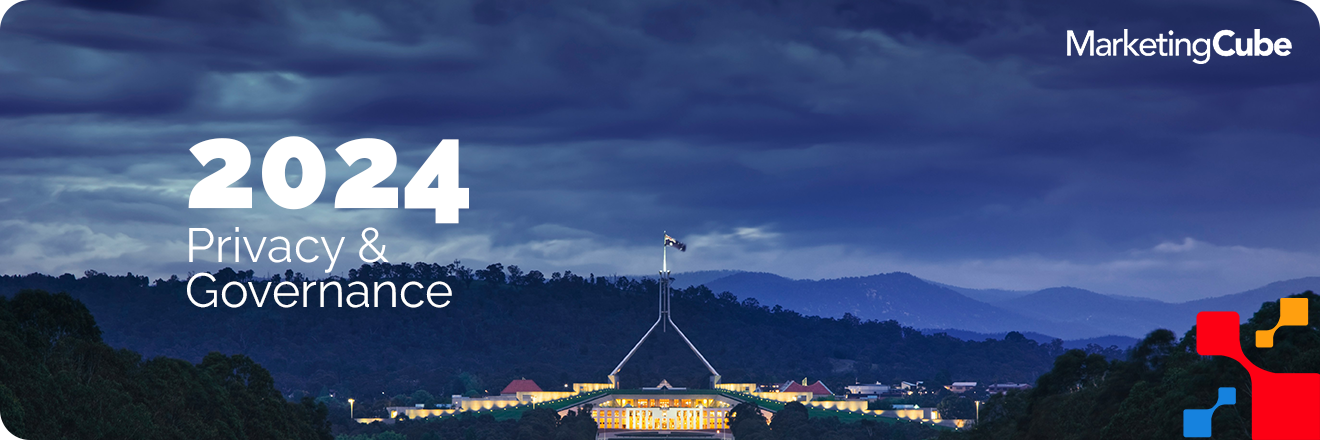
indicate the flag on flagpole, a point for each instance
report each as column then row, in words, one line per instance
column 670, row 241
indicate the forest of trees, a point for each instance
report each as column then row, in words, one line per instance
column 58, row 380
column 505, row 323
column 1087, row 397
column 62, row 377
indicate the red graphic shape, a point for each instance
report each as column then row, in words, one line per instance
column 1284, row 406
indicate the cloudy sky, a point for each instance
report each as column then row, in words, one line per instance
column 813, row 139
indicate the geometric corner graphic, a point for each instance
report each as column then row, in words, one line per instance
column 1196, row 422
column 1292, row 312
column 4, row 7
column 1284, row 406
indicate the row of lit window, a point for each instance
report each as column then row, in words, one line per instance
column 619, row 419
column 666, row 403
column 663, row 424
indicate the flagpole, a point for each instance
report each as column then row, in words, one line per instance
column 663, row 322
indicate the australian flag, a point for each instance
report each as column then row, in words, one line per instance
column 670, row 241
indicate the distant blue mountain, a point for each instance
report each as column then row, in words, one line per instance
column 1122, row 342
column 697, row 278
column 978, row 336
column 985, row 295
column 898, row 296
column 1064, row 312
column 1248, row 303
column 1107, row 314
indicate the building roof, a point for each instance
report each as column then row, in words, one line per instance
column 861, row 388
column 817, row 388
column 520, row 386
column 664, row 385
column 963, row 384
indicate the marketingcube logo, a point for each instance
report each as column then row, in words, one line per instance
column 1200, row 48
column 1284, row 406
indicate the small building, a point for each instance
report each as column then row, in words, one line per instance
column 1004, row 388
column 961, row 387
column 739, row 387
column 817, row 389
column 867, row 390
column 520, row 386
column 905, row 388
column 590, row 387
column 518, row 392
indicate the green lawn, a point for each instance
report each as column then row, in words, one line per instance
column 844, row 416
column 514, row 413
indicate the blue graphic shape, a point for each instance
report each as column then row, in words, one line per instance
column 1196, row 422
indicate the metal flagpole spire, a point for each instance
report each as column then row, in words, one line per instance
column 665, row 319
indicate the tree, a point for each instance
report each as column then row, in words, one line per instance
column 538, row 424
column 12, row 412
column 493, row 274
column 956, row 407
column 577, row 425
column 59, row 380
column 50, row 319
column 941, row 379
column 791, row 422
column 1087, row 397
column 747, row 423
column 423, row 397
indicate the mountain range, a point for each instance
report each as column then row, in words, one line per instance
column 1062, row 312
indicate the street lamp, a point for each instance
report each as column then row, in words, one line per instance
column 350, row 408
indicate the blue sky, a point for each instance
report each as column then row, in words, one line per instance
column 811, row 139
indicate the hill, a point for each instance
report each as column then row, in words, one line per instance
column 1248, row 302
column 1106, row 314
column 1118, row 343
column 898, row 296
column 506, row 324
column 985, row 295
column 696, row 278
column 1065, row 312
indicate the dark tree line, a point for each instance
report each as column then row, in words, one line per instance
column 505, row 323
column 1086, row 396
column 59, row 380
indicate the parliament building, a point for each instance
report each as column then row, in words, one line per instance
column 665, row 411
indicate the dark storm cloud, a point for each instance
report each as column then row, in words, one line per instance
column 865, row 136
